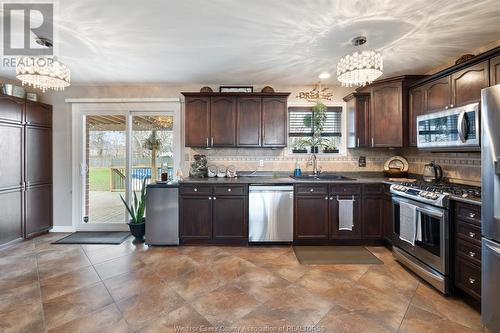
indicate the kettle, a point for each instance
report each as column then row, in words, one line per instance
column 432, row 173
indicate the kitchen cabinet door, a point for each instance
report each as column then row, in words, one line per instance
column 358, row 108
column 11, row 217
column 196, row 217
column 197, row 122
column 229, row 217
column 274, row 118
column 38, row 155
column 223, row 121
column 335, row 233
column 467, row 83
column 372, row 216
column 38, row 114
column 249, row 122
column 416, row 104
column 386, row 115
column 11, row 109
column 437, row 94
column 388, row 220
column 311, row 218
column 38, row 209
column 495, row 71
column 11, row 152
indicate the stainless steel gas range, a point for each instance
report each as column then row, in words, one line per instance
column 421, row 214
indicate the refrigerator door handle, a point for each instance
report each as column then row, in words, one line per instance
column 497, row 166
column 494, row 248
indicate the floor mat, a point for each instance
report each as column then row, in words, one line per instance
column 324, row 255
column 94, row 237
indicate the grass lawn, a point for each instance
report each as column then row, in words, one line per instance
column 99, row 179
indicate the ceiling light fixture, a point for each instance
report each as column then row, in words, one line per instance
column 324, row 76
column 360, row 68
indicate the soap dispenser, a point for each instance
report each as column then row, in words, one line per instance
column 297, row 172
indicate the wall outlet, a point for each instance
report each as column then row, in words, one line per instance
column 362, row 162
column 261, row 163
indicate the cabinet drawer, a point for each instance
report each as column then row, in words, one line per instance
column 468, row 277
column 469, row 251
column 345, row 189
column 469, row 213
column 230, row 190
column 311, row 189
column 373, row 188
column 195, row 190
column 469, row 232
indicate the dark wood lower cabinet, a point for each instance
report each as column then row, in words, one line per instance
column 215, row 216
column 38, row 209
column 196, row 219
column 372, row 216
column 387, row 216
column 11, row 217
column 311, row 217
column 230, row 217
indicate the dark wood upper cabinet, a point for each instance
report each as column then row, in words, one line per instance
column 274, row 119
column 416, row 98
column 12, row 160
column 197, row 121
column 223, row 121
column 230, row 217
column 468, row 82
column 38, row 209
column 195, row 217
column 38, row 155
column 311, row 217
column 386, row 115
column 38, row 114
column 11, row 109
column 249, row 122
column 438, row 94
column 495, row 71
column 358, row 108
column 11, row 227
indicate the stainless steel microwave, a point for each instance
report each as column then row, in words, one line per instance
column 452, row 129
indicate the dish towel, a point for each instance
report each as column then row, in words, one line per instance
column 407, row 222
column 346, row 214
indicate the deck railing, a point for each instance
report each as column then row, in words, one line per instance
column 119, row 180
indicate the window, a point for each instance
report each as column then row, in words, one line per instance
column 301, row 130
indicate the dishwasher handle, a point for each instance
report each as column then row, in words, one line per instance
column 270, row 188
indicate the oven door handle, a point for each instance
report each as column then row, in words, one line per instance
column 434, row 213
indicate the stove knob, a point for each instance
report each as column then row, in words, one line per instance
column 423, row 193
column 429, row 195
column 434, row 196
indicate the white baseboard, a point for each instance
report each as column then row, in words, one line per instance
column 63, row 228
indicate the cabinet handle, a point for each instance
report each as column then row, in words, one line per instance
column 357, row 143
column 212, row 141
column 326, row 198
column 446, row 107
column 311, row 190
column 214, row 198
column 331, row 198
column 472, row 215
column 452, row 105
column 472, row 254
column 209, row 198
column 472, row 281
column 373, row 145
column 229, row 190
column 472, row 234
column 195, row 189
column 207, row 142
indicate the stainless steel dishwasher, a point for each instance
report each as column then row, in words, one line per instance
column 162, row 214
column 270, row 217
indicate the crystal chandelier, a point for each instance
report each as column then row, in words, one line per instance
column 360, row 68
column 43, row 73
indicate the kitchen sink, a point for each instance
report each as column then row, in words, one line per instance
column 322, row 177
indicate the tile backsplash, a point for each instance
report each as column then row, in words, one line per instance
column 460, row 167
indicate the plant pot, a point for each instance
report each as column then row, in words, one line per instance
column 330, row 151
column 314, row 150
column 138, row 230
column 299, row 151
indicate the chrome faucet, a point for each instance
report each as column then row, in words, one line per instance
column 314, row 161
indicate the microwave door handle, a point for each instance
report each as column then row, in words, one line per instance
column 462, row 127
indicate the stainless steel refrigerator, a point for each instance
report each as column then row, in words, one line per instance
column 490, row 173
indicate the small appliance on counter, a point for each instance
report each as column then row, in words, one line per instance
column 396, row 167
column 432, row 173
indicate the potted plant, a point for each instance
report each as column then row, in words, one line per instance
column 136, row 210
column 329, row 146
column 316, row 120
column 299, row 146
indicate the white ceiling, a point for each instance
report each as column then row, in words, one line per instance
column 261, row 41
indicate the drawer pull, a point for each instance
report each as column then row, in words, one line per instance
column 472, row 215
column 209, row 198
column 326, row 198
column 472, row 234
column 472, row 281
column 195, row 189
column 472, row 254
column 229, row 190
column 214, row 198
column 311, row 190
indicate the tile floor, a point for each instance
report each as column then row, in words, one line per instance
column 129, row 288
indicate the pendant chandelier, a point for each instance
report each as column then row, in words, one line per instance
column 361, row 67
column 43, row 73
